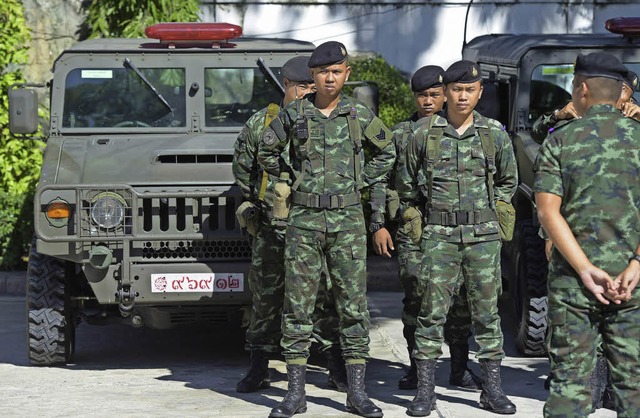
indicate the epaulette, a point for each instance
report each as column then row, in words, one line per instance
column 561, row 124
column 439, row 121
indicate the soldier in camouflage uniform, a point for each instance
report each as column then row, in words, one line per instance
column 588, row 198
column 463, row 167
column 326, row 133
column 428, row 90
column 266, row 277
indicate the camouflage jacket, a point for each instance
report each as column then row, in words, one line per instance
column 324, row 164
column 246, row 170
column 459, row 177
column 593, row 163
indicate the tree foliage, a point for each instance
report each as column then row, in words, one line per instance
column 396, row 98
column 129, row 18
column 20, row 159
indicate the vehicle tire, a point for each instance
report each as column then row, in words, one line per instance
column 530, row 299
column 51, row 328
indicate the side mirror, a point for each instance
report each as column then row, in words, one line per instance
column 368, row 94
column 23, row 111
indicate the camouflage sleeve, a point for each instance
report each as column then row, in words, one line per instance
column 244, row 165
column 548, row 176
column 272, row 143
column 377, row 138
column 506, row 177
column 407, row 175
column 541, row 127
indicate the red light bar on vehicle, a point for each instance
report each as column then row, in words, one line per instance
column 629, row 26
column 194, row 32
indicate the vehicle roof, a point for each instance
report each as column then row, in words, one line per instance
column 510, row 48
column 110, row 45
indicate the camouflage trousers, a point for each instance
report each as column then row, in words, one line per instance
column 266, row 282
column 345, row 256
column 446, row 267
column 457, row 327
column 578, row 324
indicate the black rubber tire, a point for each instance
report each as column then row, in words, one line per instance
column 531, row 303
column 51, row 329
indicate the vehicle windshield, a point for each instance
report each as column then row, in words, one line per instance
column 120, row 98
column 233, row 95
column 551, row 88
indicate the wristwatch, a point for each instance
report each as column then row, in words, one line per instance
column 375, row 227
column 636, row 257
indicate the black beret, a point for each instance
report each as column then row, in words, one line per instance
column 328, row 53
column 427, row 77
column 296, row 69
column 462, row 72
column 600, row 64
column 631, row 80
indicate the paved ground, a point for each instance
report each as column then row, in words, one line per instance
column 121, row 371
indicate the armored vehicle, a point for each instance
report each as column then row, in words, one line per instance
column 526, row 76
column 135, row 208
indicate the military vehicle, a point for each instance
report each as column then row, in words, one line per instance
column 526, row 76
column 135, row 208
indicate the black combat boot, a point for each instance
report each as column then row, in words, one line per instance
column 294, row 401
column 492, row 396
column 461, row 375
column 425, row 400
column 337, row 369
column 410, row 380
column 598, row 380
column 357, row 399
column 258, row 375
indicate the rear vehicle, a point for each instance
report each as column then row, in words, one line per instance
column 135, row 207
column 526, row 76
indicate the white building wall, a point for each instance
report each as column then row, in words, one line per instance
column 410, row 34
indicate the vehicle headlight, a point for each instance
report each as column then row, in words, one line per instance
column 107, row 210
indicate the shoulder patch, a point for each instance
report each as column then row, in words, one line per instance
column 378, row 133
column 268, row 137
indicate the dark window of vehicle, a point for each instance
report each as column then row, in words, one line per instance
column 233, row 95
column 120, row 98
column 550, row 89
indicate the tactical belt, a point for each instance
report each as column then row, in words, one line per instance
column 461, row 218
column 326, row 201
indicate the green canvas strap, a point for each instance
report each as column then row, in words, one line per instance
column 489, row 150
column 272, row 113
column 355, row 133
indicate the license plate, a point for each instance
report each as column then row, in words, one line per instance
column 197, row 282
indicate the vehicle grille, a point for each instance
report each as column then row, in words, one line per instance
column 201, row 250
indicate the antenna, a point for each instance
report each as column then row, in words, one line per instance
column 466, row 17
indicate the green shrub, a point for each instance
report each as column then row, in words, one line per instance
column 20, row 159
column 396, row 98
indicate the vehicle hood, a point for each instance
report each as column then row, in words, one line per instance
column 137, row 160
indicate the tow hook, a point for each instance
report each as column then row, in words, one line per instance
column 126, row 296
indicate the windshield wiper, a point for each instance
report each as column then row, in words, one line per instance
column 129, row 65
column 271, row 77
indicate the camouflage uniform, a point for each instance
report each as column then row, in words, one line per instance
column 458, row 324
column 463, row 251
column 593, row 163
column 266, row 276
column 326, row 221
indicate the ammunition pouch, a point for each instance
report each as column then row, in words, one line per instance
column 282, row 200
column 412, row 224
column 393, row 204
column 248, row 217
column 506, row 219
